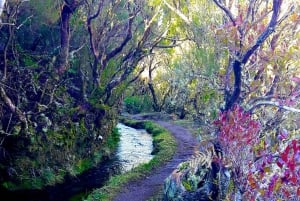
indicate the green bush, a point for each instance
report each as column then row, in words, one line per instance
column 137, row 104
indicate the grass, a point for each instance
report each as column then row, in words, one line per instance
column 164, row 149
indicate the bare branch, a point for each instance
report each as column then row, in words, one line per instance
column 118, row 49
column 227, row 11
column 263, row 98
column 28, row 18
column 289, row 13
column 76, row 50
column 166, row 46
column 4, row 23
column 148, row 26
column 13, row 108
column 273, row 103
column 137, row 76
column 178, row 12
column 269, row 30
column 91, row 31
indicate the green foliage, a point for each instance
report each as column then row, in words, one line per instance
column 154, row 130
column 29, row 61
column 47, row 11
column 109, row 71
column 49, row 176
column 137, row 104
column 96, row 95
column 154, row 3
column 61, row 129
column 187, row 185
column 9, row 185
column 68, row 123
column 113, row 139
column 82, row 165
column 183, row 165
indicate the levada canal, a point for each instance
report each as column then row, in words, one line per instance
column 134, row 148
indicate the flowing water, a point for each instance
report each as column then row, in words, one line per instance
column 134, row 148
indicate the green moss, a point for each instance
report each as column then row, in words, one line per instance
column 82, row 165
column 113, row 139
column 97, row 157
column 102, row 106
column 78, row 197
column 9, row 185
column 82, row 127
column 231, row 186
column 36, row 183
column 29, row 61
column 49, row 176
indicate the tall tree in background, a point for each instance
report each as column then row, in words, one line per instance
column 180, row 67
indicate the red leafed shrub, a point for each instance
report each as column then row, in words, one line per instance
column 277, row 172
column 238, row 134
column 259, row 171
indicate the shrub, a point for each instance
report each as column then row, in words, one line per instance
column 260, row 170
column 137, row 104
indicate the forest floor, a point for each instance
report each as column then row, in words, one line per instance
column 150, row 187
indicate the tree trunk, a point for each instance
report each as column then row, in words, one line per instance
column 231, row 99
column 64, row 39
column 154, row 97
column 155, row 104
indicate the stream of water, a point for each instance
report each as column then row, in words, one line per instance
column 134, row 148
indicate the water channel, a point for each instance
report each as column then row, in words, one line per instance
column 134, row 148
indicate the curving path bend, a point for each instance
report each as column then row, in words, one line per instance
column 145, row 188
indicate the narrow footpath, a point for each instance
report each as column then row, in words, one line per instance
column 145, row 188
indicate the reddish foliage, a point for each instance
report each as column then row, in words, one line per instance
column 254, row 160
column 237, row 126
column 238, row 134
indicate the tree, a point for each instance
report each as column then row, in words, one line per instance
column 126, row 50
column 252, row 35
column 249, row 32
